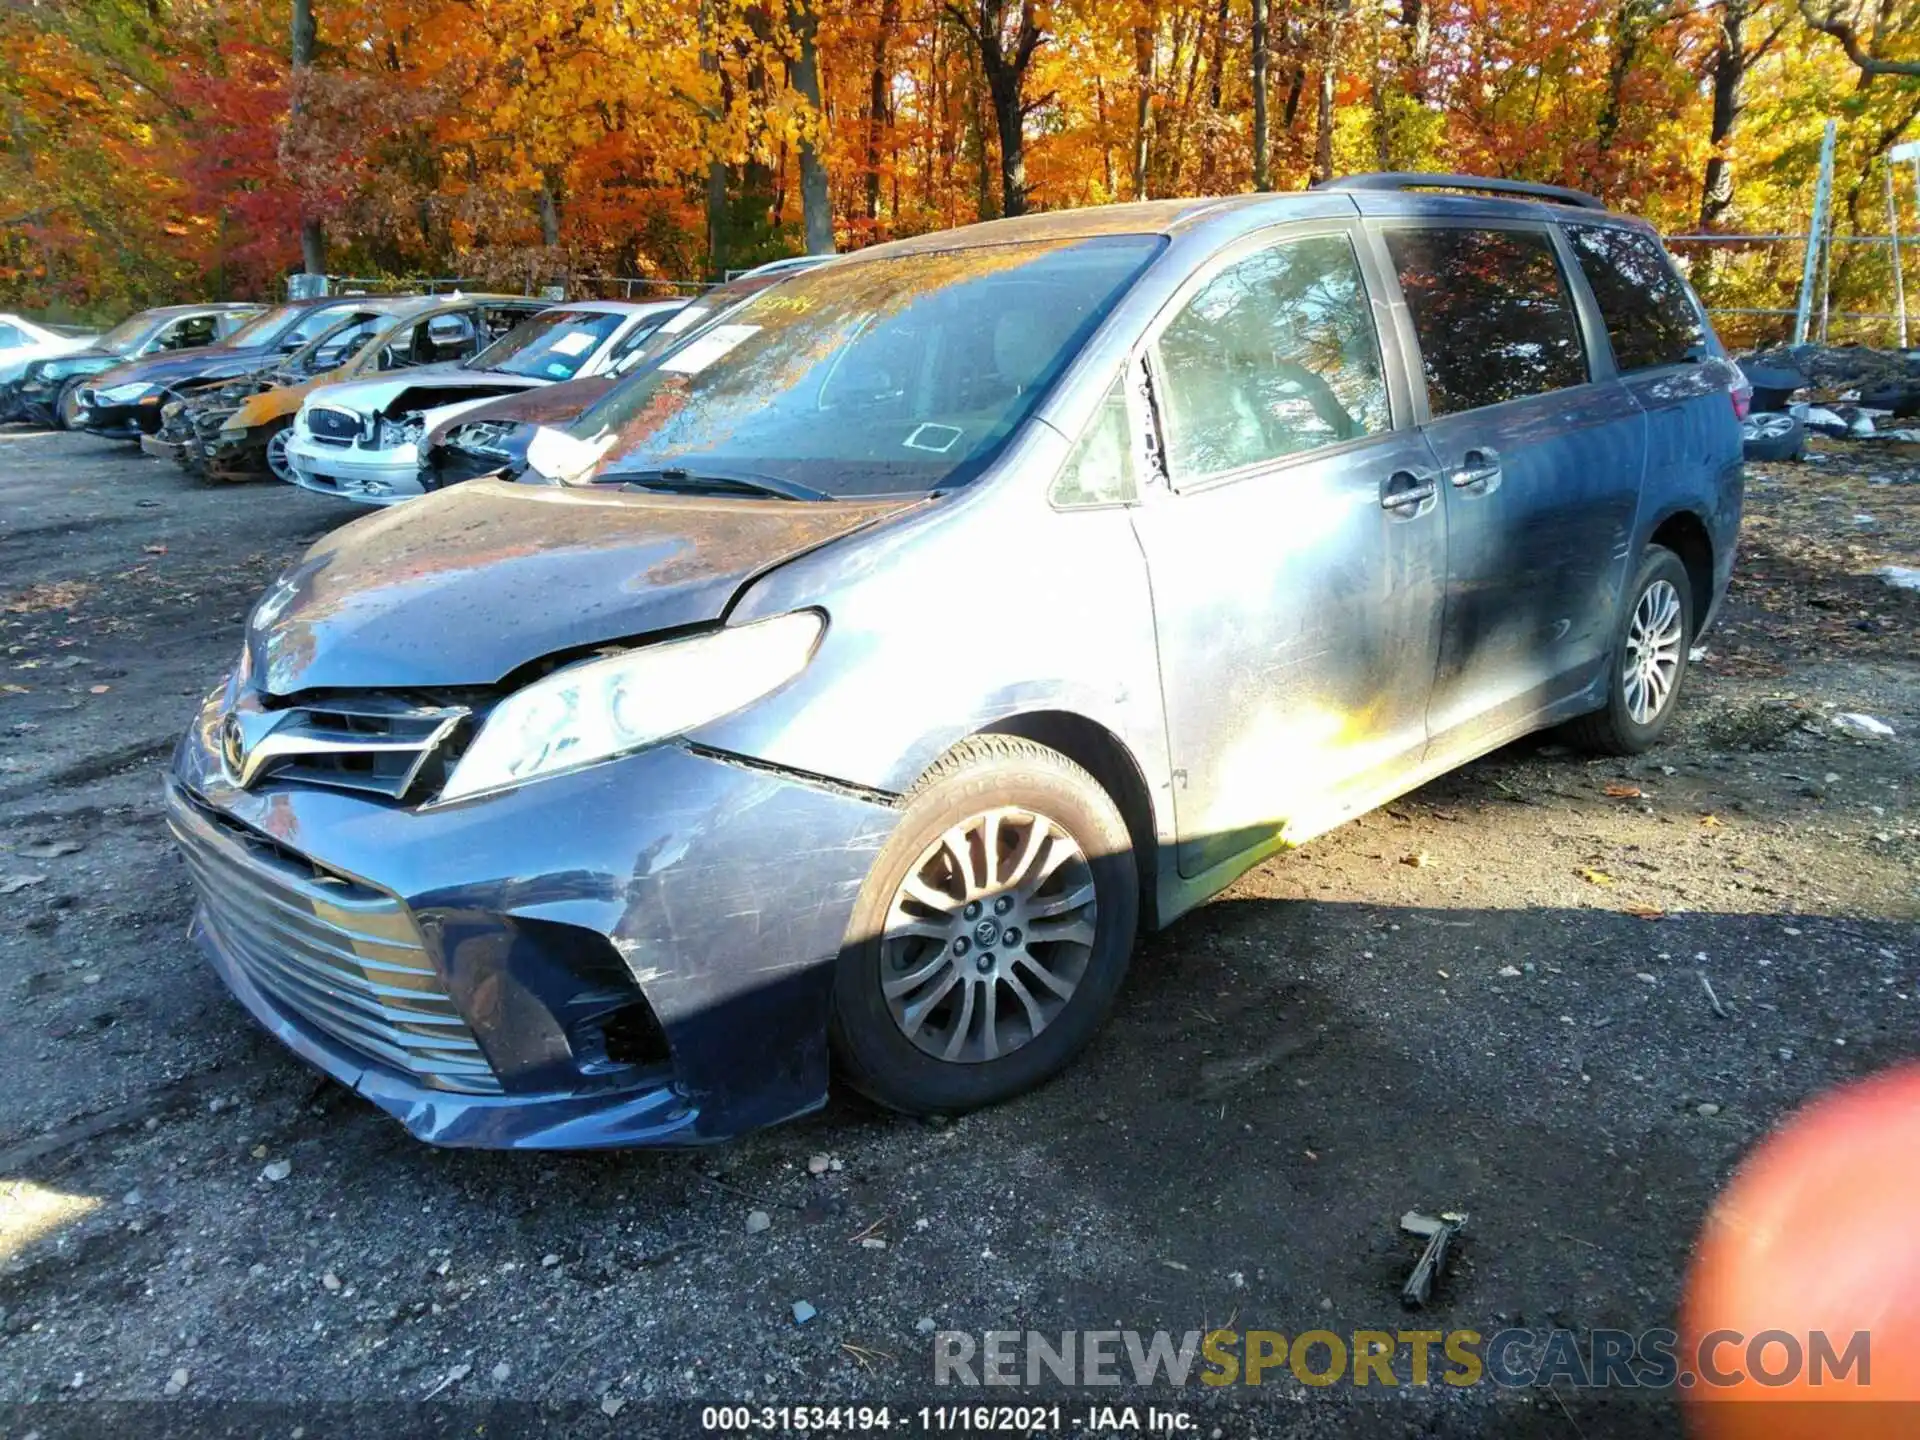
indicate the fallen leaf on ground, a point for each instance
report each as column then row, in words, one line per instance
column 11, row 883
column 1623, row 792
column 1596, row 877
column 98, row 689
column 156, row 549
column 1711, row 822
column 1644, row 912
column 1419, row 860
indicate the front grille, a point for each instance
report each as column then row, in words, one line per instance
column 333, row 427
column 340, row 956
column 374, row 743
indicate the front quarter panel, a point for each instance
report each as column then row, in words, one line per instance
column 981, row 606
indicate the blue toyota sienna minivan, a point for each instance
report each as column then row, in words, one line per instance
column 846, row 692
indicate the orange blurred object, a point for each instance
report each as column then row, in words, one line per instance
column 1817, row 1238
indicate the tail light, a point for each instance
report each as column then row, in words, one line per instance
column 1742, row 397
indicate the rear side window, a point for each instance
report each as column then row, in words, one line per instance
column 1274, row 356
column 1649, row 318
column 1491, row 312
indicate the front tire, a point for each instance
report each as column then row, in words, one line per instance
column 1647, row 663
column 991, row 935
column 63, row 404
column 278, row 465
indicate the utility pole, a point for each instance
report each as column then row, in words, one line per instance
column 1816, row 235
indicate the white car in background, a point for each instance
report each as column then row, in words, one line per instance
column 21, row 340
column 361, row 440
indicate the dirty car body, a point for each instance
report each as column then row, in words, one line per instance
column 1156, row 537
column 361, row 441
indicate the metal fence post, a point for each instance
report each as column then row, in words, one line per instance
column 1816, row 233
column 1899, row 280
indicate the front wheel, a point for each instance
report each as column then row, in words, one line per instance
column 992, row 932
column 64, row 404
column 277, row 461
column 1648, row 660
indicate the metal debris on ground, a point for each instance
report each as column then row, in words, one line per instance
column 1439, row 1232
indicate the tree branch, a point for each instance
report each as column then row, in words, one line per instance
column 1863, row 60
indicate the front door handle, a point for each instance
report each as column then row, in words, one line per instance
column 1479, row 470
column 1406, row 491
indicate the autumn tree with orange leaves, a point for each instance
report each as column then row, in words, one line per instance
column 165, row 149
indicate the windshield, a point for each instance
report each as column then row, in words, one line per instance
column 887, row 376
column 128, row 334
column 553, row 345
column 263, row 328
column 335, row 344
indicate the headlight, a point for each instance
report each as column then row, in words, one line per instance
column 124, row 394
column 602, row 708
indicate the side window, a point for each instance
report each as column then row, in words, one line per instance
column 1100, row 469
column 188, row 333
column 1274, row 356
column 1650, row 319
column 1492, row 315
column 231, row 320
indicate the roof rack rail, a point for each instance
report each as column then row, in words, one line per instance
column 1421, row 180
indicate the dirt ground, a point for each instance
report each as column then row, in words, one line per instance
column 1487, row 997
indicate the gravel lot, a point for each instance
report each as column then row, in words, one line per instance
column 1486, row 997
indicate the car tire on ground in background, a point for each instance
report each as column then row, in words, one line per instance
column 1772, row 435
column 992, row 933
column 1647, row 662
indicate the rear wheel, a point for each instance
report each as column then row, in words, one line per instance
column 992, row 932
column 1648, row 661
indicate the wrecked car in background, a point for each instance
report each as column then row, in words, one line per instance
column 361, row 440
column 47, row 389
column 239, row 430
column 492, row 438
column 1844, row 392
column 23, row 341
column 124, row 402
column 602, row 808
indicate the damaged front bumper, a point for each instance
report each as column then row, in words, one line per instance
column 383, row 477
column 637, row 953
column 229, row 454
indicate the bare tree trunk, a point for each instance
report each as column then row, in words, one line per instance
column 879, row 108
column 305, row 35
column 1143, row 66
column 1729, row 70
column 816, row 199
column 1005, row 70
column 549, row 210
column 1323, row 121
column 716, row 168
column 1262, row 174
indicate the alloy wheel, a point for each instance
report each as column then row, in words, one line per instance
column 1652, row 660
column 1768, row 427
column 277, row 461
column 988, row 935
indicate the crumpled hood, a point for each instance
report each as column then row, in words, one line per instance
column 210, row 362
column 466, row 586
column 547, row 405
column 364, row 397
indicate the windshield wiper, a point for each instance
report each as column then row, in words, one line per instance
column 679, row 477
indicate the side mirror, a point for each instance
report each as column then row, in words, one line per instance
column 450, row 331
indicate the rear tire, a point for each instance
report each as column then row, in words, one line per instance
column 966, row 980
column 1647, row 662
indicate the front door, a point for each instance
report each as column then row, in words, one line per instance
column 1297, row 552
column 1541, row 463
